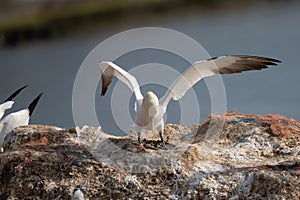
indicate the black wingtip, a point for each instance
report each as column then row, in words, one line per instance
column 272, row 61
column 275, row 60
column 266, row 59
column 33, row 104
column 103, row 92
column 13, row 95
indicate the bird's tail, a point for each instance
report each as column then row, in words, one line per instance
column 13, row 95
column 33, row 104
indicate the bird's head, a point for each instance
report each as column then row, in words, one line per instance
column 150, row 103
column 150, row 99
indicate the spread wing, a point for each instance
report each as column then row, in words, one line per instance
column 109, row 70
column 212, row 66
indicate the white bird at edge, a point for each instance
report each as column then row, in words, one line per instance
column 16, row 119
column 8, row 103
column 150, row 111
column 78, row 192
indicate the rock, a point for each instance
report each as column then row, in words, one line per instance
column 230, row 156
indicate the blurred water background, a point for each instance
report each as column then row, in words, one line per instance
column 48, row 59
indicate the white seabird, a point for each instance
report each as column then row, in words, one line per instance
column 149, row 112
column 16, row 119
column 8, row 103
column 78, row 193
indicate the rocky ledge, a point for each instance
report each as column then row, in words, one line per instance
column 230, row 156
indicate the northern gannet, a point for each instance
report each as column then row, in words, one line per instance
column 8, row 103
column 150, row 111
column 16, row 119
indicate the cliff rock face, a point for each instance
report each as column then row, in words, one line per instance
column 230, row 156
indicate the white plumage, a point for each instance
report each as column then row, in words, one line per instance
column 78, row 193
column 5, row 106
column 8, row 103
column 16, row 119
column 149, row 112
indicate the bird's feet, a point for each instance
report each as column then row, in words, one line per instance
column 152, row 144
column 163, row 145
column 142, row 148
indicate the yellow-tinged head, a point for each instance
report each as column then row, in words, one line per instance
column 150, row 99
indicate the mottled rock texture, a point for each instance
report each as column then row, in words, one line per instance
column 230, row 156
